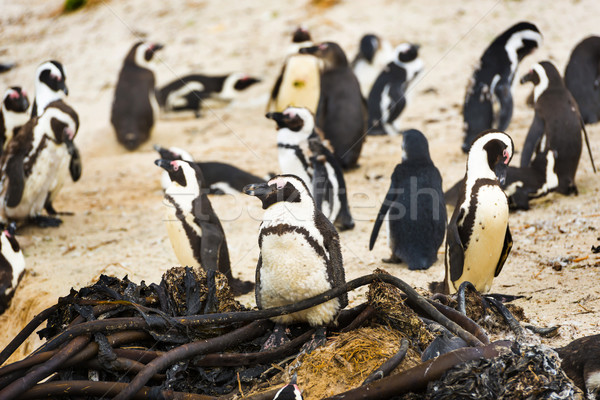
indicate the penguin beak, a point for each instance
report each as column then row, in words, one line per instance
column 165, row 164
column 309, row 50
column 156, row 46
column 164, row 153
column 11, row 230
column 65, row 88
column 500, row 170
column 281, row 119
column 259, row 190
column 68, row 134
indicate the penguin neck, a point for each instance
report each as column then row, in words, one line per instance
column 287, row 213
column 227, row 91
column 184, row 196
column 541, row 87
column 288, row 137
column 412, row 68
column 13, row 119
column 478, row 167
column 44, row 96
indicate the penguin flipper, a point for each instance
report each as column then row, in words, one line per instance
column 75, row 163
column 398, row 101
column 275, row 90
column 210, row 248
column 502, row 92
column 455, row 251
column 505, row 251
column 16, row 181
column 385, row 206
column 536, row 130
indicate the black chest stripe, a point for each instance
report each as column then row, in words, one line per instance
column 285, row 228
column 28, row 166
column 192, row 236
column 466, row 229
column 299, row 153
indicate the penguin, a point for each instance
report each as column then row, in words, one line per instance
column 291, row 391
column 190, row 91
column 195, row 232
column 31, row 164
column 12, row 265
column 7, row 66
column 556, row 125
column 299, row 82
column 302, row 153
column 300, row 254
column 13, row 114
column 135, row 108
column 580, row 360
column 414, row 206
column 341, row 113
column 374, row 53
column 582, row 78
column 221, row 178
column 387, row 99
column 50, row 85
column 492, row 80
column 478, row 238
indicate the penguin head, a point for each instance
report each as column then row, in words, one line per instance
column 301, row 35
column 291, row 391
column 521, row 39
column 369, row 45
column 542, row 75
column 296, row 119
column 15, row 100
column 183, row 174
column 490, row 154
column 406, row 52
column 288, row 189
column 234, row 83
column 9, row 234
column 60, row 119
column 415, row 147
column 330, row 53
column 142, row 54
column 50, row 82
column 173, row 153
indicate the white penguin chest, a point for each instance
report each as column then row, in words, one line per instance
column 300, row 83
column 291, row 163
column 183, row 246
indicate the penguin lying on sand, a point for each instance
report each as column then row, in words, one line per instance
column 12, row 266
column 194, row 229
column 13, row 114
column 189, row 92
column 478, row 239
column 220, row 178
column 492, row 81
column 413, row 207
column 388, row 97
column 300, row 254
column 582, row 78
column 134, row 108
column 374, row 53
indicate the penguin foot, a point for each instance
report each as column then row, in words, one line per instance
column 240, row 287
column 376, row 131
column 46, row 222
column 278, row 338
column 392, row 260
column 319, row 338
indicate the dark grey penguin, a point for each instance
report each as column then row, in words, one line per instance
column 414, row 207
column 341, row 113
column 388, row 96
column 492, row 81
column 478, row 239
column 580, row 360
column 134, row 108
column 220, row 178
column 374, row 53
column 556, row 125
column 582, row 78
column 13, row 114
column 12, row 266
column 300, row 254
column 195, row 231
column 189, row 92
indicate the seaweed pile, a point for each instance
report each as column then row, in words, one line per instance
column 188, row 338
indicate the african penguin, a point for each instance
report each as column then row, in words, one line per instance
column 341, row 113
column 220, row 178
column 50, row 85
column 478, row 239
column 135, row 108
column 316, row 166
column 580, row 360
column 190, row 91
column 13, row 114
column 388, row 97
column 194, row 229
column 300, row 254
column 291, row 391
column 374, row 53
column 12, row 265
column 492, row 80
column 582, row 78
column 556, row 124
column 414, row 208
column 31, row 163
column 298, row 83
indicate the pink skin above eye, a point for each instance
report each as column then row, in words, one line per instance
column 506, row 155
column 13, row 95
column 290, row 114
column 322, row 46
column 6, row 233
column 175, row 165
column 279, row 182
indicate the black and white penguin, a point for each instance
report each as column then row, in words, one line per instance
column 492, row 80
column 556, row 124
column 31, row 164
column 300, row 254
column 134, row 108
column 195, row 231
column 13, row 114
column 299, row 82
column 388, row 97
column 341, row 113
column 414, row 207
column 220, row 178
column 291, row 391
column 50, row 85
column 12, row 266
column 478, row 239
column 374, row 53
column 582, row 78
column 319, row 170
column 189, row 92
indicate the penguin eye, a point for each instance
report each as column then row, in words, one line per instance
column 175, row 165
column 13, row 95
column 322, row 46
column 506, row 155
